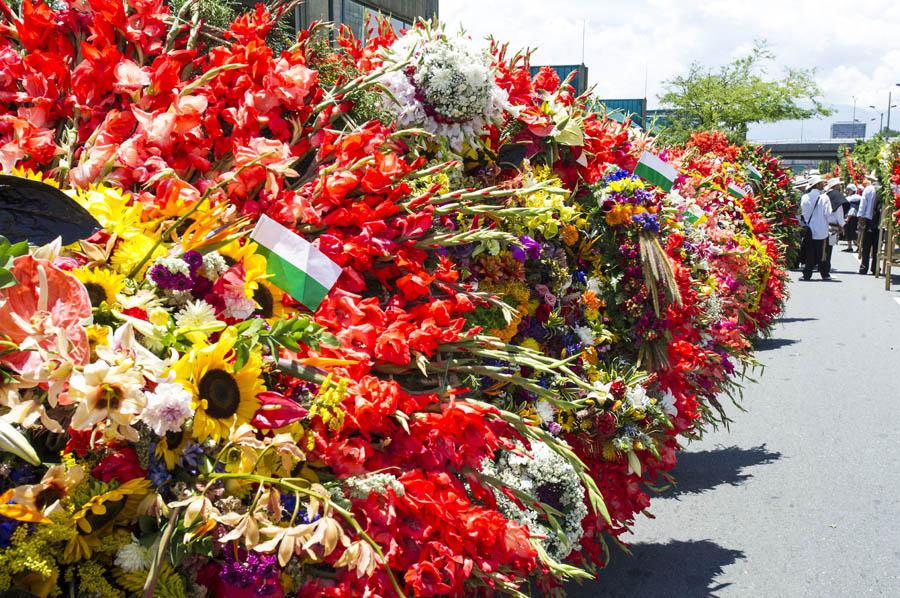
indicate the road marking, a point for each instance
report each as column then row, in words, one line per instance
column 897, row 299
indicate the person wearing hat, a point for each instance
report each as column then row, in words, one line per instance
column 815, row 209
column 853, row 201
column 836, row 217
column 869, row 216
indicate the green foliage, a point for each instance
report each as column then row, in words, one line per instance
column 866, row 151
column 737, row 94
column 217, row 16
column 8, row 252
column 290, row 334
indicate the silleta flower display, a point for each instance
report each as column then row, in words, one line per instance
column 522, row 334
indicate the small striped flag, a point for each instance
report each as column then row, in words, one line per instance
column 655, row 171
column 753, row 172
column 736, row 191
column 293, row 264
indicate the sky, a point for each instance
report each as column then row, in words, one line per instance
column 853, row 45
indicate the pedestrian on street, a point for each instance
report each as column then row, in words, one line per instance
column 800, row 185
column 850, row 228
column 836, row 218
column 815, row 209
column 869, row 220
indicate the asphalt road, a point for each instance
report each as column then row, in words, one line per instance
column 801, row 497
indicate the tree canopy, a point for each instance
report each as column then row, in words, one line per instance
column 737, row 94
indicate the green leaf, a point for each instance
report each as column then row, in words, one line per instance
column 7, row 279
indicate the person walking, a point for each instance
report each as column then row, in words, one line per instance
column 835, row 219
column 815, row 208
column 869, row 216
column 852, row 216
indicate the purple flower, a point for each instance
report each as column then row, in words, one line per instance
column 164, row 279
column 194, row 261
column 251, row 570
column 530, row 249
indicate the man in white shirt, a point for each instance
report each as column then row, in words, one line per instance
column 852, row 216
column 836, row 221
column 868, row 224
column 815, row 209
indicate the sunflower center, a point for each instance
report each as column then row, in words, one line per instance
column 221, row 392
column 96, row 293
column 266, row 301
column 110, row 397
column 173, row 439
column 113, row 508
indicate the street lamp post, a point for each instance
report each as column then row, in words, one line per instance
column 881, row 124
column 889, row 111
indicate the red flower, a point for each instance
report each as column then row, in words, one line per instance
column 121, row 464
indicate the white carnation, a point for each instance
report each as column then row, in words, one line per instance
column 133, row 557
column 168, row 407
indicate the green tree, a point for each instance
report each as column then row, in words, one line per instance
column 737, row 94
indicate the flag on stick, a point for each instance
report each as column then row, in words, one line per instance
column 754, row 174
column 736, row 191
column 655, row 171
column 293, row 264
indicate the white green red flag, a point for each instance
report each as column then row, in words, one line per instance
column 736, row 191
column 655, row 171
column 293, row 264
column 753, row 172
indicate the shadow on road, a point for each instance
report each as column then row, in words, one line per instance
column 792, row 320
column 683, row 569
column 702, row 470
column 767, row 344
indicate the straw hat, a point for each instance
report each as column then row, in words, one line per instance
column 813, row 180
column 832, row 183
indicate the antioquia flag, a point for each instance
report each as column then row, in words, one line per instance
column 736, row 191
column 653, row 170
column 753, row 172
column 293, row 264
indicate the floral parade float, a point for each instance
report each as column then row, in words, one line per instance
column 522, row 332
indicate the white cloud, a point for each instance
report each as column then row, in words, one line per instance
column 854, row 46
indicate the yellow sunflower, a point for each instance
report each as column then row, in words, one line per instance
column 270, row 300
column 102, row 285
column 223, row 397
column 171, row 446
column 99, row 514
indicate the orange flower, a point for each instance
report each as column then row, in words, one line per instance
column 569, row 235
column 43, row 315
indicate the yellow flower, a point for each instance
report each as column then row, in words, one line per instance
column 31, row 175
column 131, row 251
column 270, row 300
column 99, row 514
column 223, row 397
column 102, row 285
column 113, row 210
column 171, row 446
column 531, row 343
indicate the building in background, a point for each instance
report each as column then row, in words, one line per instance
column 848, row 130
column 622, row 109
column 580, row 80
column 400, row 13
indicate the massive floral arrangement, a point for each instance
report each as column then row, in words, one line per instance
column 521, row 333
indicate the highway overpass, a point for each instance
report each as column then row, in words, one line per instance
column 807, row 154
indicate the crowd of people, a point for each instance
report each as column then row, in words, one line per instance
column 828, row 215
